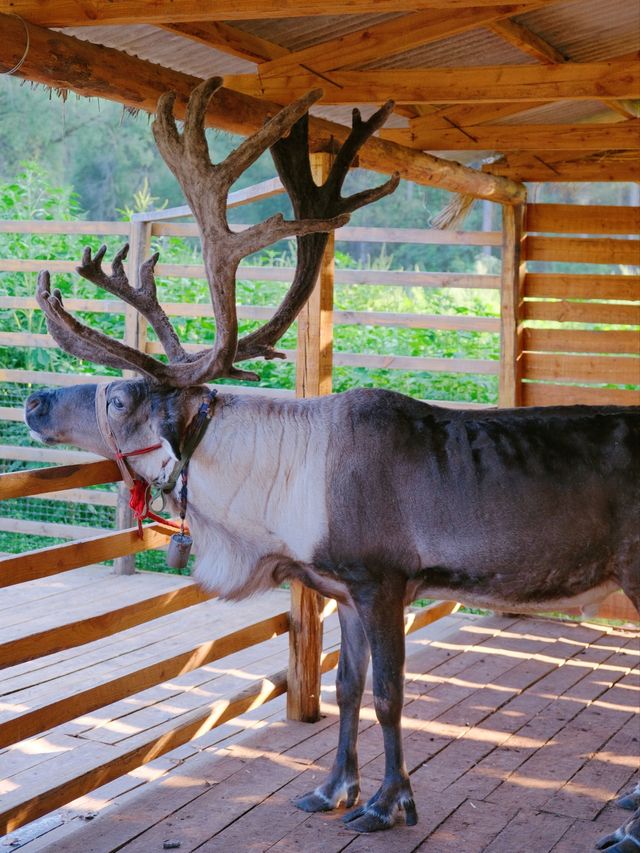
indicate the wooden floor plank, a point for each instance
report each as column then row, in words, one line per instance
column 510, row 726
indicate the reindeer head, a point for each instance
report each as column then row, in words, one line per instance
column 159, row 404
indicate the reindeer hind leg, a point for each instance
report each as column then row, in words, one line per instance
column 381, row 608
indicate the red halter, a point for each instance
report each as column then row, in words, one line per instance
column 138, row 488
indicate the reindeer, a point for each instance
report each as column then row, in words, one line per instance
column 368, row 497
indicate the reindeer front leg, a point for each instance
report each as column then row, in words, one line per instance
column 343, row 782
column 381, row 609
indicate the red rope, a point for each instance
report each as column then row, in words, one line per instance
column 140, row 506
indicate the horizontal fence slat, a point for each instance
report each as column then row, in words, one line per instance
column 589, row 250
column 357, row 234
column 576, row 340
column 97, row 306
column 44, row 377
column 55, row 529
column 8, row 413
column 582, row 286
column 387, row 278
column 582, row 312
column 49, row 226
column 542, row 394
column 583, row 219
column 618, row 606
column 401, row 362
column 92, row 497
column 45, row 562
column 99, row 626
column 386, row 362
column 20, row 484
column 47, row 454
column 19, row 726
column 611, row 369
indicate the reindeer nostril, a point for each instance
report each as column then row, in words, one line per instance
column 34, row 402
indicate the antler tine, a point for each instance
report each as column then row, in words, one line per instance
column 144, row 299
column 273, row 130
column 291, row 156
column 87, row 343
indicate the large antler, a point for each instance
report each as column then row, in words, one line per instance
column 206, row 185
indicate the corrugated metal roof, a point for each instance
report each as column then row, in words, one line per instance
column 164, row 48
column 476, row 47
column 588, row 30
column 560, row 112
column 300, row 33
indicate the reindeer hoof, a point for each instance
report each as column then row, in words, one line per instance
column 319, row 801
column 314, row 801
column 631, row 800
column 373, row 817
column 626, row 839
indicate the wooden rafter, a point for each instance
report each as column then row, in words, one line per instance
column 545, row 167
column 71, row 13
column 571, row 81
column 229, row 40
column 527, row 41
column 525, row 137
column 62, row 62
column 389, row 38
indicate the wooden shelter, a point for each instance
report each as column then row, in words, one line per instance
column 488, row 96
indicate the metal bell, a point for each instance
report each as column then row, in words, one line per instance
column 179, row 550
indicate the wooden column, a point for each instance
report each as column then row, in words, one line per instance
column 511, row 300
column 135, row 335
column 313, row 377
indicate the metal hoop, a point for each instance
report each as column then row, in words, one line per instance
column 20, row 62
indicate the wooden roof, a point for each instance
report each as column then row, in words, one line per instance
column 550, row 85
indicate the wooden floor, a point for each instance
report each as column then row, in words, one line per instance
column 518, row 733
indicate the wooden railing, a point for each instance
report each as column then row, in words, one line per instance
column 20, row 806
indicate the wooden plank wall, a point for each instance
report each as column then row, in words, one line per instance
column 581, row 331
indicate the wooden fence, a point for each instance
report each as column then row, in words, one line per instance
column 579, row 338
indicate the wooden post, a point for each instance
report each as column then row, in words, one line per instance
column 313, row 377
column 135, row 335
column 512, row 293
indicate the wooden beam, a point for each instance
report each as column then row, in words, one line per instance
column 465, row 115
column 389, row 38
column 63, row 62
column 524, row 137
column 314, row 370
column 511, row 306
column 229, row 40
column 71, row 13
column 571, row 81
column 537, row 169
column 527, row 41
